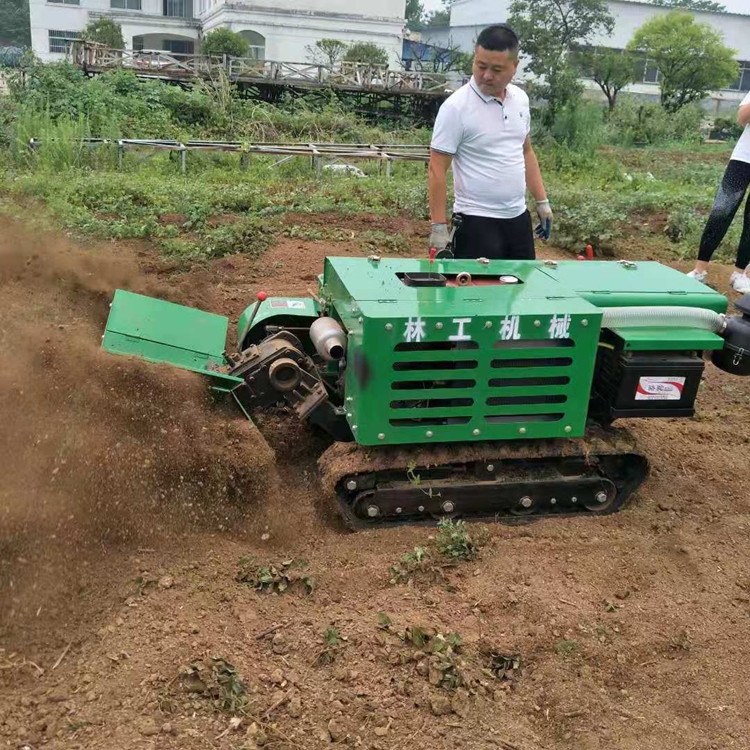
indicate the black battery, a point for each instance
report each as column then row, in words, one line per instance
column 644, row 383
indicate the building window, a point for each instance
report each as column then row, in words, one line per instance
column 66, row 2
column 178, row 8
column 60, row 41
column 125, row 4
column 742, row 82
column 257, row 42
column 178, row 46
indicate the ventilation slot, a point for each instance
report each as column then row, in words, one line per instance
column 511, row 382
column 432, row 403
column 468, row 364
column 515, row 418
column 534, row 344
column 435, row 346
column 429, row 421
column 541, row 362
column 515, row 400
column 426, row 385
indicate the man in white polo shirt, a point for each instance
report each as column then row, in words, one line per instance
column 732, row 190
column 483, row 130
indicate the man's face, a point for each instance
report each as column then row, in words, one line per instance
column 493, row 71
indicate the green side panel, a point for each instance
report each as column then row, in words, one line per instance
column 282, row 310
column 668, row 339
column 515, row 360
column 612, row 284
column 164, row 332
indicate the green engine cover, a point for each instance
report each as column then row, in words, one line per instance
column 490, row 360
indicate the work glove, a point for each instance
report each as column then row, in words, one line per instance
column 544, row 227
column 439, row 237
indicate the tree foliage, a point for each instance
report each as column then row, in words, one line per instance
column 414, row 15
column 690, row 57
column 611, row 69
column 326, row 51
column 549, row 31
column 707, row 5
column 224, row 42
column 105, row 31
column 366, row 52
column 14, row 23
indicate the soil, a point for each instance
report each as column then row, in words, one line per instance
column 132, row 509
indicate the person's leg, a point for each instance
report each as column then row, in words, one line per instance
column 734, row 183
column 477, row 237
column 743, row 251
column 518, row 238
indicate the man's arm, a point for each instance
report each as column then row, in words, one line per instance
column 743, row 116
column 533, row 173
column 437, row 186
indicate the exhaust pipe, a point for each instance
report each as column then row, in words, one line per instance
column 328, row 338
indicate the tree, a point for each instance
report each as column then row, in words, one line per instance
column 414, row 15
column 105, row 31
column 224, row 42
column 439, row 17
column 326, row 51
column 690, row 57
column 708, row 5
column 611, row 69
column 549, row 31
column 366, row 52
column 14, row 23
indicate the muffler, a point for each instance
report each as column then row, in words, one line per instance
column 734, row 357
column 328, row 338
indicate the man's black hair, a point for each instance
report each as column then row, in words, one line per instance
column 498, row 38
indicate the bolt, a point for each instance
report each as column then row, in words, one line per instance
column 601, row 497
column 526, row 502
column 388, row 326
column 537, row 323
column 373, row 510
column 348, row 415
column 398, row 510
column 522, row 430
column 584, row 322
column 421, row 508
column 488, row 324
column 439, row 326
column 354, row 428
column 448, row 507
column 381, row 436
column 351, row 485
column 573, row 499
column 360, row 320
column 349, row 399
column 476, row 432
column 429, row 433
column 553, row 501
column 490, row 467
column 568, row 428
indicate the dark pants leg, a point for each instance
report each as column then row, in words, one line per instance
column 496, row 239
column 732, row 190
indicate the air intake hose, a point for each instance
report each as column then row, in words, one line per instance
column 663, row 317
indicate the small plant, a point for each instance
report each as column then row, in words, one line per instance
column 333, row 641
column 454, row 540
column 416, row 480
column 220, row 682
column 416, row 563
column 275, row 578
column 503, row 666
column 437, row 656
column 566, row 648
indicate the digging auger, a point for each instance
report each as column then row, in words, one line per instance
column 463, row 388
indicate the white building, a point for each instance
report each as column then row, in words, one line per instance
column 469, row 17
column 276, row 29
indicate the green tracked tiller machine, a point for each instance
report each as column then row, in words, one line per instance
column 468, row 388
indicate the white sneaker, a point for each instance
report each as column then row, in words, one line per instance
column 698, row 275
column 740, row 282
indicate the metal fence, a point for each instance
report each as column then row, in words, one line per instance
column 318, row 153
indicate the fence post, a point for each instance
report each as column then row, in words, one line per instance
column 183, row 158
column 120, row 151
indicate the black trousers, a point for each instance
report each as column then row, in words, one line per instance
column 732, row 190
column 496, row 239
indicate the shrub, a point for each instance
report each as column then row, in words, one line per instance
column 224, row 42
